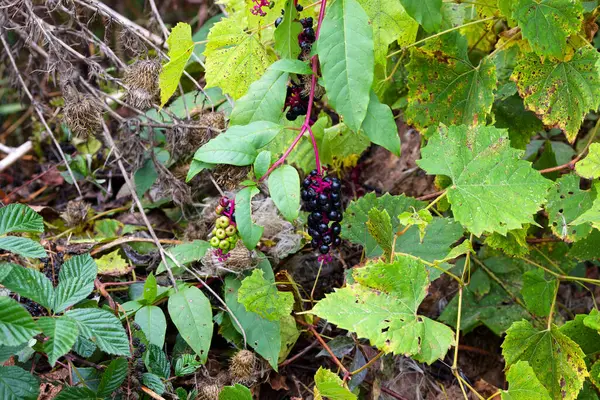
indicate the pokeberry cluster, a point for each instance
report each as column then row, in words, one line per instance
column 323, row 198
column 307, row 37
column 225, row 235
column 296, row 100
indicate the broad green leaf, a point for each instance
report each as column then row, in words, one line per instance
column 156, row 361
column 24, row 247
column 485, row 171
column 192, row 315
column 18, row 384
column 195, row 168
column 590, row 216
column 556, row 360
column 16, row 325
column 291, row 66
column 185, row 253
column 150, row 289
column 547, row 24
column 592, row 321
column 523, row 384
column 29, row 283
column 261, row 296
column 340, row 142
column 153, row 323
column 345, row 48
column 379, row 226
column 113, row 377
column 84, row 347
column 75, row 281
column 587, row 338
column 380, row 126
column 236, row 392
column 428, row 13
column 154, row 383
column 144, row 177
column 284, row 188
column 589, row 167
column 513, row 244
column 560, row 92
column 567, row 202
column 226, row 150
column 286, row 34
column 181, row 47
column 461, row 93
column 262, row 163
column 510, row 114
column 249, row 231
column 113, row 264
column 102, row 328
column 76, row 393
column 258, row 133
column 234, row 58
column 20, row 218
column 382, row 307
column 420, row 218
column 61, row 333
column 329, row 385
column 289, row 336
column 538, row 292
column 264, row 101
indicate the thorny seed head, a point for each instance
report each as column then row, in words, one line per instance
column 237, row 260
column 208, row 391
column 242, row 367
column 229, row 176
column 76, row 213
column 141, row 79
column 82, row 113
column 184, row 141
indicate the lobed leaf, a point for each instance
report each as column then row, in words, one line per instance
column 589, row 167
column 261, row 296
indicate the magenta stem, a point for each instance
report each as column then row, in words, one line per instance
column 315, row 148
column 284, row 156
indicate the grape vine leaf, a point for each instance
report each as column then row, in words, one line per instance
column 382, row 307
column 234, row 58
column 514, row 243
column 460, row 93
column 428, row 13
column 16, row 325
column 28, row 282
column 249, row 231
column 556, row 360
column 20, row 218
column 589, row 167
column 346, row 54
column 103, row 328
column 590, row 216
column 261, row 296
column 24, row 247
column 547, row 24
column 61, row 333
column 510, row 113
column 330, row 386
column 485, row 171
column 286, row 34
column 18, row 384
column 560, row 92
column 284, row 188
column 587, row 338
column 379, row 226
column 181, row 47
column 380, row 126
column 523, row 384
column 538, row 291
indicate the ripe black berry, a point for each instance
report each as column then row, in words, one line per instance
column 135, row 341
column 307, row 22
column 324, row 249
column 336, row 228
column 299, row 8
column 278, row 21
column 327, row 239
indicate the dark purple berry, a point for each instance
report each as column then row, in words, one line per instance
column 314, row 172
column 299, row 8
column 135, row 341
column 304, row 195
column 338, row 205
column 305, row 46
column 306, row 183
column 336, row 185
column 334, row 197
column 309, row 34
column 323, row 227
column 307, row 22
column 336, row 228
column 290, row 116
column 323, row 199
column 337, row 241
column 327, row 239
column 314, row 243
column 278, row 21
column 313, row 204
column 326, row 207
column 334, row 215
column 324, row 249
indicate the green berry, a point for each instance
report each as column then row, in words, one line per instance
column 224, row 245
column 220, row 233
column 233, row 240
column 230, row 230
column 222, row 222
column 214, row 242
column 219, row 210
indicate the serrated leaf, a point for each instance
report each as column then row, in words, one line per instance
column 156, row 361
column 192, row 315
column 264, row 101
column 538, row 291
column 75, row 281
column 589, row 167
column 420, row 218
column 236, row 392
column 380, row 126
column 76, row 393
column 112, row 378
column 592, row 320
column 428, row 13
column 510, row 114
column 556, row 360
column 102, row 328
column 18, row 384
column 113, row 264
column 485, row 171
column 329, row 385
column 24, row 247
column 262, row 163
column 379, row 226
column 286, row 34
column 461, row 93
column 20, row 218
column 153, row 323
column 591, row 216
column 16, row 325
column 566, row 203
column 382, row 307
column 291, row 66
column 513, row 244
column 234, row 59
column 547, row 24
column 345, row 48
column 249, row 231
column 560, row 92
column 29, row 283
column 84, row 347
column 181, row 47
column 185, row 253
column 154, row 383
column 587, row 338
column 523, row 384
column 261, row 296
column 340, row 142
column 284, row 188
column 61, row 333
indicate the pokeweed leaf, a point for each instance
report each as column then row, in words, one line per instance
column 61, row 333
column 234, row 58
column 181, row 47
column 379, row 226
column 547, row 24
column 284, row 188
column 382, row 307
column 185, row 253
column 16, row 325
column 114, row 375
column 428, row 13
column 523, row 384
column 261, row 296
column 75, row 281
column 226, row 150
column 150, row 289
column 30, row 283
column 23, row 247
column 560, row 92
column 18, row 384
column 380, row 126
column 291, row 66
column 192, row 315
column 538, row 291
column 153, row 323
column 259, row 133
column 249, row 231
column 20, row 218
column 589, row 167
column 286, row 34
column 485, row 171
column 236, row 392
column 261, row 164
column 329, row 385
column 102, row 328
column 345, row 48
column 556, row 360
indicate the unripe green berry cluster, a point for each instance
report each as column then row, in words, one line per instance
column 225, row 235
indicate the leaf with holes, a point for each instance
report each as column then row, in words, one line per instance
column 329, row 385
column 261, row 296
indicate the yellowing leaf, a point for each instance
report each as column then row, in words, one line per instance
column 523, row 384
column 181, row 47
column 261, row 296
column 380, row 227
column 234, row 59
column 329, row 385
column 589, row 167
column 113, row 264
